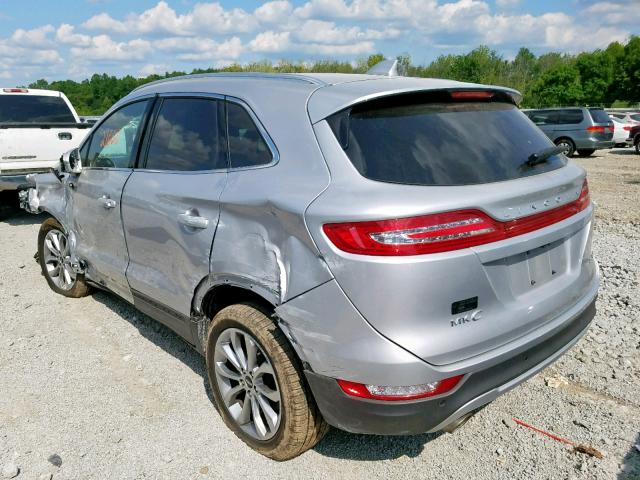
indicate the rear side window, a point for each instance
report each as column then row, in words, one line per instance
column 543, row 117
column 635, row 116
column 570, row 117
column 187, row 136
column 34, row 109
column 423, row 143
column 247, row 147
column 599, row 115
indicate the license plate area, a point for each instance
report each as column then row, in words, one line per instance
column 536, row 267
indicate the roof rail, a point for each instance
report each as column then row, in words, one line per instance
column 296, row 77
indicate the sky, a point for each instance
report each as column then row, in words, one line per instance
column 75, row 39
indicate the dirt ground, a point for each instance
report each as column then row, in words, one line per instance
column 91, row 388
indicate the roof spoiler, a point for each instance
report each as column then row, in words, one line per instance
column 388, row 68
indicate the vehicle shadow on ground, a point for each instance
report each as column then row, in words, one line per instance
column 336, row 444
column 631, row 463
column 17, row 218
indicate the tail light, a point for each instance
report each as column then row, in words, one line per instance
column 626, row 128
column 15, row 90
column 394, row 393
column 441, row 232
column 471, row 95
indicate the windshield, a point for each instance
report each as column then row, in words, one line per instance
column 441, row 143
column 37, row 109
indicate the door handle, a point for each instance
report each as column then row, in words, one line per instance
column 107, row 202
column 193, row 221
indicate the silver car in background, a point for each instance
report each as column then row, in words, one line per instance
column 384, row 255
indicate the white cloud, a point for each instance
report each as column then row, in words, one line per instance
column 37, row 37
column 103, row 48
column 153, row 69
column 202, row 49
column 104, row 22
column 271, row 42
column 320, row 31
column 507, row 3
column 277, row 12
column 65, row 34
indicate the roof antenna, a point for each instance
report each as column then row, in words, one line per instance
column 388, row 68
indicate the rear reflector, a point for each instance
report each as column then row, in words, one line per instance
column 394, row 393
column 442, row 232
column 15, row 90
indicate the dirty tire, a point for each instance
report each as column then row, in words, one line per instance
column 80, row 288
column 301, row 425
column 637, row 145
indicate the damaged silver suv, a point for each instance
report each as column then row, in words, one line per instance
column 384, row 255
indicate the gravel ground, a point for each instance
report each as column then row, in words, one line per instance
column 91, row 388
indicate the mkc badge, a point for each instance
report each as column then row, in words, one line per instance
column 469, row 317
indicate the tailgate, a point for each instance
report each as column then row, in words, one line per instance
column 22, row 148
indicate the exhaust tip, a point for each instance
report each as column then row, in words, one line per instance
column 456, row 424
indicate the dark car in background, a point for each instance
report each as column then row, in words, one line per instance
column 578, row 129
column 634, row 138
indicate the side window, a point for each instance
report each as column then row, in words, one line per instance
column 543, row 117
column 187, row 136
column 570, row 117
column 114, row 142
column 247, row 148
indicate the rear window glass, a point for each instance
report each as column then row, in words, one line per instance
column 635, row 117
column 34, row 109
column 400, row 140
column 599, row 115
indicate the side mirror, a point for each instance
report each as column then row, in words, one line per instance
column 71, row 161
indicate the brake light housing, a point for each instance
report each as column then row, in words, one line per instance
column 15, row 90
column 442, row 232
column 399, row 393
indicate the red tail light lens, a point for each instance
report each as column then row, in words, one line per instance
column 596, row 129
column 15, row 90
column 394, row 393
column 441, row 232
column 626, row 128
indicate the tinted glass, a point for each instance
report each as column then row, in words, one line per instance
column 114, row 143
column 543, row 117
column 34, row 109
column 635, row 116
column 247, row 148
column 441, row 143
column 569, row 117
column 599, row 115
column 187, row 136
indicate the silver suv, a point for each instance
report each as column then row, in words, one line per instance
column 384, row 255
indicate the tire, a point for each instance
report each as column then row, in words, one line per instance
column 51, row 262
column 299, row 424
column 9, row 204
column 570, row 146
column 586, row 152
column 636, row 144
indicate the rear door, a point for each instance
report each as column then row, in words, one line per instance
column 170, row 206
column 108, row 158
column 568, row 123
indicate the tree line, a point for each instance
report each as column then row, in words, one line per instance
column 607, row 77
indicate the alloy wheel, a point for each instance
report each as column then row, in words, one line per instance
column 58, row 261
column 247, row 383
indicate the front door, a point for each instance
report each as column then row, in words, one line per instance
column 170, row 207
column 108, row 159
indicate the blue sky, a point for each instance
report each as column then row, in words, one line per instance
column 74, row 39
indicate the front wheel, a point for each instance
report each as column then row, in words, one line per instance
column 55, row 261
column 586, row 152
column 258, row 385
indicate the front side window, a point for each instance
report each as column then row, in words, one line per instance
column 188, row 136
column 247, row 148
column 114, row 143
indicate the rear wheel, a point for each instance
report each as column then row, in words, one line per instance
column 55, row 261
column 258, row 384
column 567, row 144
column 637, row 144
column 586, row 152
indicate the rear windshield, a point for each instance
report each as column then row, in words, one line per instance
column 411, row 141
column 599, row 115
column 34, row 109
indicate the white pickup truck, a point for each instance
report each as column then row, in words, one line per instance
column 36, row 128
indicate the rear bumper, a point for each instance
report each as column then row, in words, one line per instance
column 477, row 389
column 594, row 144
column 14, row 182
